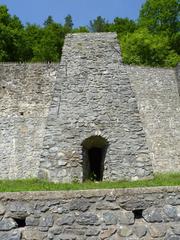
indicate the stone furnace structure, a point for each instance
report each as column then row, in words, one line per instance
column 88, row 117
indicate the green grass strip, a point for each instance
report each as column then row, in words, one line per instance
column 172, row 179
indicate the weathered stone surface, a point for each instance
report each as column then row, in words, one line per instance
column 170, row 211
column 108, row 233
column 66, row 220
column 125, row 231
column 24, row 107
column 95, row 108
column 79, row 204
column 156, row 88
column 107, row 206
column 46, row 221
column 32, row 221
column 172, row 237
column 178, row 76
column 140, row 230
column 153, row 215
column 48, row 110
column 110, row 218
column 87, row 219
column 92, row 223
column 19, row 210
column 176, row 228
column 32, row 234
column 126, row 217
column 92, row 232
column 2, row 209
column 64, row 237
column 12, row 235
column 157, row 230
column 7, row 224
column 55, row 230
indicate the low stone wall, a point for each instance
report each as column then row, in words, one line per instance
column 146, row 213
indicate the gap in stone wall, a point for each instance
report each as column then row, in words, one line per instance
column 20, row 222
column 94, row 152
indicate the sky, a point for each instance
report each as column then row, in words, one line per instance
column 82, row 11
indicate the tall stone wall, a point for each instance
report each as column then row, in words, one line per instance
column 159, row 105
column 96, row 99
column 52, row 114
column 178, row 76
column 124, row 214
column 25, row 95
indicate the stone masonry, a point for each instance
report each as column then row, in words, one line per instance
column 126, row 214
column 56, row 118
column 159, row 105
column 25, row 95
column 94, row 98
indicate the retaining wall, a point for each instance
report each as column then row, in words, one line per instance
column 127, row 214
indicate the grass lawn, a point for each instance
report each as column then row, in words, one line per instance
column 42, row 185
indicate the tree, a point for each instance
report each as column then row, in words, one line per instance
column 99, row 25
column 33, row 36
column 68, row 25
column 145, row 48
column 160, row 15
column 80, row 29
column 175, row 42
column 12, row 37
column 5, row 17
column 48, row 21
column 122, row 25
column 49, row 47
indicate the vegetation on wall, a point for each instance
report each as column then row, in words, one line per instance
column 154, row 39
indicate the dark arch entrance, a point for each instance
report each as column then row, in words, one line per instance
column 94, row 151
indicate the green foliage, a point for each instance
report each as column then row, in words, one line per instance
column 5, row 18
column 99, row 25
column 122, row 26
column 175, row 42
column 145, row 48
column 11, row 37
column 30, row 43
column 48, row 21
column 154, row 40
column 49, row 46
column 68, row 25
column 172, row 59
column 160, row 15
column 81, row 29
column 43, row 185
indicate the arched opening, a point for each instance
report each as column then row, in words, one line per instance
column 94, row 151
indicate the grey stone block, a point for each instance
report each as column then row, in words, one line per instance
column 87, row 219
column 140, row 230
column 46, row 221
column 66, row 220
column 153, row 215
column 7, row 224
column 125, row 218
column 12, row 235
column 110, row 218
